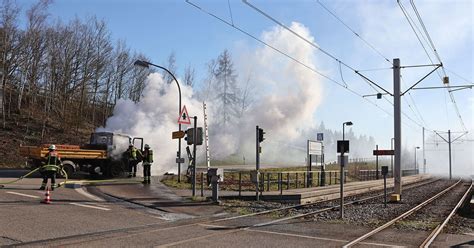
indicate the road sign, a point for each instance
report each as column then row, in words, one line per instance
column 320, row 136
column 184, row 117
column 384, row 152
column 315, row 148
column 178, row 134
column 342, row 146
column 180, row 160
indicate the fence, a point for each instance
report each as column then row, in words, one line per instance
column 240, row 181
column 365, row 175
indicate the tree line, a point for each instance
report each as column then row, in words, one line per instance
column 69, row 72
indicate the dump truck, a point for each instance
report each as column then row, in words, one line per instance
column 104, row 155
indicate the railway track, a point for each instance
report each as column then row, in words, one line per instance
column 442, row 222
column 355, row 199
column 88, row 237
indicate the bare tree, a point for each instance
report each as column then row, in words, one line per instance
column 189, row 75
column 171, row 66
column 246, row 98
column 10, row 48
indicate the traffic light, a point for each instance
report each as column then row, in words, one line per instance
column 199, row 136
column 260, row 135
column 190, row 136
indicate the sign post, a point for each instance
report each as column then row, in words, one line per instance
column 378, row 153
column 342, row 147
column 314, row 149
column 384, row 173
column 182, row 119
column 377, row 164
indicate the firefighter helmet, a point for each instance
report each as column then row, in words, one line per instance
column 52, row 147
column 147, row 146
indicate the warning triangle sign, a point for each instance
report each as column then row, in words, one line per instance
column 184, row 117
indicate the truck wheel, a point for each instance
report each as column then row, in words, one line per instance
column 68, row 167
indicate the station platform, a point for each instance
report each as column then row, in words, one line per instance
column 314, row 194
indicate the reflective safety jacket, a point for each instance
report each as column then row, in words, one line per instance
column 148, row 156
column 53, row 161
column 133, row 154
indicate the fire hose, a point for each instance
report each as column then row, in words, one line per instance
column 61, row 170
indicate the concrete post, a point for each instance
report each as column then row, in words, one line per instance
column 397, row 130
column 424, row 158
column 449, row 143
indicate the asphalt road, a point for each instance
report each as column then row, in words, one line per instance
column 134, row 215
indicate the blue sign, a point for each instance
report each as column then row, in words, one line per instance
column 320, row 137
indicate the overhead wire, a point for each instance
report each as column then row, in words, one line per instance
column 370, row 83
column 291, row 58
column 432, row 46
column 230, row 12
column 417, row 112
column 355, row 33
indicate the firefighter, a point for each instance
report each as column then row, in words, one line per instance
column 134, row 156
column 51, row 168
column 147, row 161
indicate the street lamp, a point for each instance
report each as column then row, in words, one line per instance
column 147, row 64
column 348, row 123
column 416, row 148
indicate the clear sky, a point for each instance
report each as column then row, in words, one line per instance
column 160, row 27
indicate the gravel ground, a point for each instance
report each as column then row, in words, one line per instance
column 427, row 218
column 245, row 207
column 372, row 213
column 461, row 223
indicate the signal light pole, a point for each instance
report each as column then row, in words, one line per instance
column 259, row 139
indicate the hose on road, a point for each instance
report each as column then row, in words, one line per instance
column 2, row 184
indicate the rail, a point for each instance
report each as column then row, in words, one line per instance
column 402, row 216
column 440, row 227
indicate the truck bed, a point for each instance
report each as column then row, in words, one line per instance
column 64, row 151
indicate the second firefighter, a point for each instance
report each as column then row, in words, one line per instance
column 147, row 161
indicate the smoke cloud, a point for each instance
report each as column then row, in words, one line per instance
column 285, row 98
column 154, row 118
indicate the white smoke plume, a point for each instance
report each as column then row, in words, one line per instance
column 287, row 96
column 154, row 118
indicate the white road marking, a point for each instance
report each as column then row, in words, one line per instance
column 89, row 206
column 88, row 195
column 214, row 226
column 16, row 193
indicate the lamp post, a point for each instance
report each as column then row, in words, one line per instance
column 348, row 123
column 147, row 64
column 416, row 148
column 341, row 179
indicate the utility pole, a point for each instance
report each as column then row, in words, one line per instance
column 449, row 141
column 424, row 158
column 397, row 130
